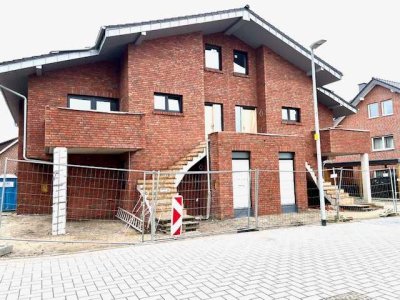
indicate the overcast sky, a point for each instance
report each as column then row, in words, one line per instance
column 362, row 35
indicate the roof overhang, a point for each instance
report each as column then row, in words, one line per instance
column 8, row 144
column 338, row 105
column 112, row 40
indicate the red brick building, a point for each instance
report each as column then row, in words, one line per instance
column 378, row 107
column 145, row 88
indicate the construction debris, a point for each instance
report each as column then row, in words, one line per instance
column 388, row 213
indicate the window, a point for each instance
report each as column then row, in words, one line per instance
column 92, row 103
column 387, row 108
column 373, row 110
column 213, row 57
column 167, row 102
column 213, row 117
column 382, row 143
column 245, row 119
column 291, row 114
column 240, row 64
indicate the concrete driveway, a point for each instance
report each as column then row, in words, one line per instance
column 357, row 260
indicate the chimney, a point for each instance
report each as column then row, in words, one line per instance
column 361, row 86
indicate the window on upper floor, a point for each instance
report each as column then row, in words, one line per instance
column 240, row 62
column 383, row 143
column 387, row 107
column 213, row 117
column 213, row 57
column 93, row 103
column 168, row 102
column 373, row 110
column 290, row 114
column 245, row 119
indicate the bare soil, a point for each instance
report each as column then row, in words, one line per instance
column 90, row 234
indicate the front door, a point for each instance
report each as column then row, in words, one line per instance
column 241, row 186
column 286, row 182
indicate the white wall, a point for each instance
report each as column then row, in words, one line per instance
column 8, row 130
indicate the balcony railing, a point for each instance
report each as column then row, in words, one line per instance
column 92, row 131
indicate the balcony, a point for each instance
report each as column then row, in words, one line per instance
column 343, row 141
column 92, row 131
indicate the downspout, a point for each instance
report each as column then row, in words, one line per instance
column 2, row 87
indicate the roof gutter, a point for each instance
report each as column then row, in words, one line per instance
column 2, row 87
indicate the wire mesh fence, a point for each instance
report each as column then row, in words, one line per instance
column 108, row 206
column 355, row 194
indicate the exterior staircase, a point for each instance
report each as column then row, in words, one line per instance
column 333, row 194
column 160, row 188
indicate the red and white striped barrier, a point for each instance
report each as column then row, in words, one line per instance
column 177, row 215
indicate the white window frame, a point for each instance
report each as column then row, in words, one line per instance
column 383, row 143
column 239, row 126
column 217, row 117
column 369, row 111
column 383, row 111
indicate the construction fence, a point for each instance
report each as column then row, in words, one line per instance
column 96, row 207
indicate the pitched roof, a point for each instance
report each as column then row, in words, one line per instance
column 389, row 84
column 243, row 23
column 4, row 146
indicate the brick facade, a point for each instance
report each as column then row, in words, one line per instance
column 380, row 126
column 154, row 140
column 222, row 145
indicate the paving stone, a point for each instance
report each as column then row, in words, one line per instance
column 352, row 261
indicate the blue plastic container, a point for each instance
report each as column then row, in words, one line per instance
column 10, row 194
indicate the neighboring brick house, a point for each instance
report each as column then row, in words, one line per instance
column 9, row 149
column 378, row 103
column 147, row 94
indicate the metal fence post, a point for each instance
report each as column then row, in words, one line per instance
column 208, row 180
column 249, row 205
column 143, row 205
column 393, row 187
column 3, row 191
column 338, row 198
column 395, row 190
column 154, row 205
column 334, row 175
column 256, row 187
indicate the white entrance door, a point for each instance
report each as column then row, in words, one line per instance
column 286, row 181
column 241, row 183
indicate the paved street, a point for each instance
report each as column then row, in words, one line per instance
column 293, row 263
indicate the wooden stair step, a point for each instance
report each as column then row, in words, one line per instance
column 168, row 219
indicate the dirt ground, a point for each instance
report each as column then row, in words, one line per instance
column 38, row 227
column 34, row 231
